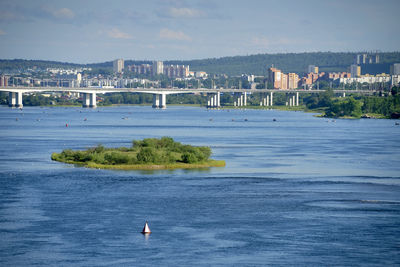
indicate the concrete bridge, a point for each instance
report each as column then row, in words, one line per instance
column 160, row 94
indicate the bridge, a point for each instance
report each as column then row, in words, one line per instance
column 160, row 94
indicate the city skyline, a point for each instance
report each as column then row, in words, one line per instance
column 97, row 31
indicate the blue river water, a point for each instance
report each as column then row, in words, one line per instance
column 300, row 190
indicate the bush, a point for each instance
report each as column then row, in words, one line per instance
column 146, row 155
column 188, row 157
column 116, row 158
column 81, row 156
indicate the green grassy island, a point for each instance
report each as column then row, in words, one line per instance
column 148, row 154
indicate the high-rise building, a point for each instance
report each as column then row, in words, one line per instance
column 358, row 60
column 377, row 58
column 313, row 69
column 293, row 81
column 158, row 67
column 3, row 81
column 275, row 78
column 364, row 58
column 395, row 69
column 118, row 65
column 176, row 71
column 284, row 81
column 355, row 71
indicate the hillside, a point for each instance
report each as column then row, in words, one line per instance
column 252, row 64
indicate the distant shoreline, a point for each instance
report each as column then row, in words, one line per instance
column 320, row 111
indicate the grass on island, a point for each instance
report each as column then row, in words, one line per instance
column 147, row 154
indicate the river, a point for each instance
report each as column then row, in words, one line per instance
column 299, row 190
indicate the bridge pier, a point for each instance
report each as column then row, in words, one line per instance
column 19, row 100
column 293, row 100
column 271, row 98
column 160, row 101
column 240, row 99
column 15, row 100
column 214, row 100
column 93, row 103
column 156, row 101
column 163, row 101
column 85, row 100
column 12, row 100
column 264, row 100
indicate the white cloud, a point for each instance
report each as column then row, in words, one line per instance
column 117, row 34
column 184, row 12
column 61, row 13
column 2, row 32
column 173, row 35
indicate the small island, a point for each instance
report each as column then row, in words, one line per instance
column 146, row 154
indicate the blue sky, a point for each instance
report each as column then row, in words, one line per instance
column 96, row 31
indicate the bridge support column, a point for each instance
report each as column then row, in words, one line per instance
column 12, row 99
column 245, row 98
column 156, row 101
column 85, row 100
column 344, row 94
column 163, row 101
column 290, row 101
column 271, row 99
column 92, row 98
column 297, row 98
column 19, row 100
column 218, row 99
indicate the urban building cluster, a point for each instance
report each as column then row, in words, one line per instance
column 279, row 80
column 60, row 71
column 275, row 79
column 3, row 80
column 158, row 67
column 367, row 58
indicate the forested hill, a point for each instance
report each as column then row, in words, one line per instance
column 291, row 62
column 253, row 64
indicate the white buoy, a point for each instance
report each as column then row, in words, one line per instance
column 146, row 229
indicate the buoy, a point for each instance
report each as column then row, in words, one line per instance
column 146, row 229
column 273, row 119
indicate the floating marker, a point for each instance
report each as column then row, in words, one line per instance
column 146, row 230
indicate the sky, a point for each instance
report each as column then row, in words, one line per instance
column 90, row 31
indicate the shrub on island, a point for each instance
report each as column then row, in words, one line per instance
column 148, row 153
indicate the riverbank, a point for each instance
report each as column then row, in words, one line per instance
column 321, row 112
column 200, row 165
